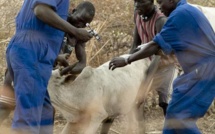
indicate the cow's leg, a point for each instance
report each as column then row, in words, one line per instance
column 132, row 122
column 87, row 124
column 95, row 121
column 140, row 117
column 69, row 128
column 75, row 127
column 4, row 112
column 106, row 124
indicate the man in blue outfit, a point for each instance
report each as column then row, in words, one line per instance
column 40, row 27
column 190, row 36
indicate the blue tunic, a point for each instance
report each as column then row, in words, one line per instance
column 28, row 23
column 30, row 56
column 190, row 36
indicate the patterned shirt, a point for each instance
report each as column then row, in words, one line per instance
column 147, row 31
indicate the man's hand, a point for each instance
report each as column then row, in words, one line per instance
column 117, row 62
column 62, row 59
column 82, row 35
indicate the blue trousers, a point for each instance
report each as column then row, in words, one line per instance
column 192, row 95
column 30, row 63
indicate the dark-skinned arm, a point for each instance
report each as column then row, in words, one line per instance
column 62, row 59
column 136, row 41
column 46, row 14
column 148, row 50
column 160, row 23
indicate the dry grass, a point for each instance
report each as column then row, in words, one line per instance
column 113, row 21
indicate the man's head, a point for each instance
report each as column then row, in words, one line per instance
column 82, row 14
column 167, row 6
column 144, row 7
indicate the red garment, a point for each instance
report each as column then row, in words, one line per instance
column 146, row 29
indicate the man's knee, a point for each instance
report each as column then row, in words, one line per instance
column 7, row 102
column 7, row 97
column 4, row 106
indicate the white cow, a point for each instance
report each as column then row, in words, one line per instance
column 98, row 93
column 95, row 95
column 209, row 12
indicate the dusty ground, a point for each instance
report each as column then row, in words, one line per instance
column 107, row 10
column 153, row 123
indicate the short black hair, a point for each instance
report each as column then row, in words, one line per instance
column 88, row 6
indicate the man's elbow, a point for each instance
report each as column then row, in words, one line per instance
column 40, row 10
column 37, row 10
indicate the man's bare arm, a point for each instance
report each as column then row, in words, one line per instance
column 46, row 14
column 136, row 41
column 160, row 23
column 149, row 49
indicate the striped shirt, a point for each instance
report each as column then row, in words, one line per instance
column 146, row 29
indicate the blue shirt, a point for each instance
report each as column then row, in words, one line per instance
column 189, row 35
column 27, row 24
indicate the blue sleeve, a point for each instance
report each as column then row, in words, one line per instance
column 168, row 36
column 52, row 3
